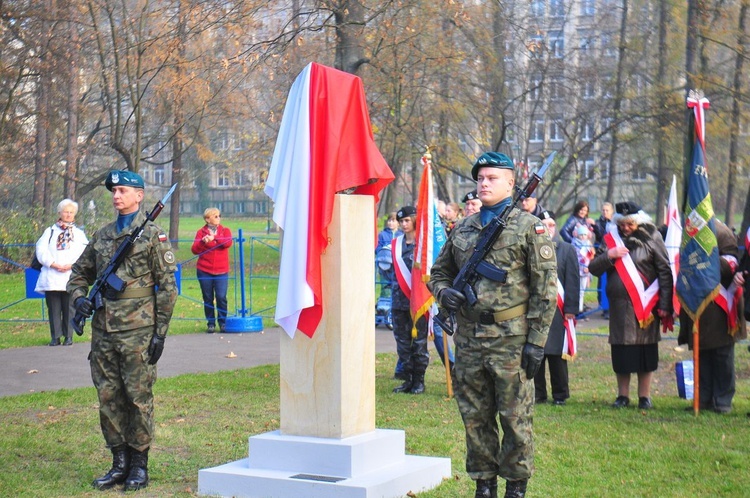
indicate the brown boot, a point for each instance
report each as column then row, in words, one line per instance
column 119, row 471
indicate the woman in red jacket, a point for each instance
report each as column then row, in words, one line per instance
column 212, row 243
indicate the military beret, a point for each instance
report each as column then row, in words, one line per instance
column 123, row 178
column 626, row 208
column 547, row 215
column 470, row 196
column 405, row 212
column 491, row 160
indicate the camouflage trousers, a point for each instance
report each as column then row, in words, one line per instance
column 124, row 381
column 489, row 382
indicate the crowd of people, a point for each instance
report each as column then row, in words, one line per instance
column 527, row 296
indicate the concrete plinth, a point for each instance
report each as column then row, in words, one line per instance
column 363, row 466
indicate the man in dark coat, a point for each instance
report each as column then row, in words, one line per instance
column 567, row 278
column 717, row 335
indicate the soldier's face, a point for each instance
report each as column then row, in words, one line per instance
column 494, row 185
column 126, row 200
column 406, row 224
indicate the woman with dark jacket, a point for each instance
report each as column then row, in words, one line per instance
column 635, row 255
column 579, row 216
column 211, row 244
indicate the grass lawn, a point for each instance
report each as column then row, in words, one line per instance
column 52, row 447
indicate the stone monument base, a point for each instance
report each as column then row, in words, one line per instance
column 368, row 465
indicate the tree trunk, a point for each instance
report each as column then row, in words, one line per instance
column 71, row 154
column 617, row 103
column 735, row 119
column 662, row 171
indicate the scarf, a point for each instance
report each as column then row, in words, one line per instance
column 124, row 220
column 487, row 213
column 212, row 229
column 66, row 236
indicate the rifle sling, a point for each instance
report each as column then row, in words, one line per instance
column 136, row 293
column 488, row 317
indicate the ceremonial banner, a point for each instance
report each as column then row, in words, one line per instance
column 698, row 279
column 325, row 145
column 673, row 240
column 431, row 238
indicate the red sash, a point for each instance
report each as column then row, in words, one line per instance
column 644, row 299
column 727, row 300
column 403, row 274
column 570, row 345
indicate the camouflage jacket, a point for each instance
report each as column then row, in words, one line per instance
column 150, row 264
column 526, row 252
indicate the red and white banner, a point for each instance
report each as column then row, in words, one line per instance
column 325, row 145
column 644, row 298
column 673, row 240
column 570, row 344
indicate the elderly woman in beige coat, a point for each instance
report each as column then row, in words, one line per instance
column 57, row 249
column 634, row 253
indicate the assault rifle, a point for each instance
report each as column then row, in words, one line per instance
column 108, row 283
column 476, row 266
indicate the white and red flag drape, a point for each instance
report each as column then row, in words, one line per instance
column 673, row 239
column 325, row 145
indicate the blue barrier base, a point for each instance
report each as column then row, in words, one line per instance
column 244, row 324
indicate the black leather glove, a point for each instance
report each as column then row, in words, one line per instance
column 155, row 349
column 84, row 306
column 531, row 359
column 451, row 299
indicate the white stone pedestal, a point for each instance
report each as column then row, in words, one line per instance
column 364, row 466
column 328, row 446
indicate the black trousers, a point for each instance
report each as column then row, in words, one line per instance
column 58, row 304
column 717, row 385
column 558, row 376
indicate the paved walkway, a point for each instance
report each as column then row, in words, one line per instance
column 45, row 368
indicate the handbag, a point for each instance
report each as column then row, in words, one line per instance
column 35, row 264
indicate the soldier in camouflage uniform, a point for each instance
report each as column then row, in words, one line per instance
column 500, row 340
column 129, row 331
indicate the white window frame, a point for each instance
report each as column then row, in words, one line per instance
column 537, row 131
column 556, row 131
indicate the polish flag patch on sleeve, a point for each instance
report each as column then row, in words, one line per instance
column 539, row 229
column 162, row 237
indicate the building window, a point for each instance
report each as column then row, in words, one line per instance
column 159, row 175
column 589, row 89
column 608, row 47
column 639, row 172
column 557, row 44
column 589, row 169
column 556, row 8
column 556, row 132
column 239, row 179
column 537, row 131
column 556, row 89
column 537, row 8
column 586, row 45
column 587, row 131
column 588, row 7
column 222, row 178
column 536, row 47
column 239, row 208
column 535, row 92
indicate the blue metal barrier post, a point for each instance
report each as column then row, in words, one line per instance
column 243, row 323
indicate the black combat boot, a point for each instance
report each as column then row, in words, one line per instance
column 486, row 488
column 406, row 386
column 516, row 489
column 138, row 476
column 119, row 471
column 417, row 386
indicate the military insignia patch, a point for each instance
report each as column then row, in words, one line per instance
column 169, row 257
column 162, row 237
column 539, row 229
column 546, row 252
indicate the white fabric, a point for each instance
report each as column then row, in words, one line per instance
column 47, row 253
column 288, row 185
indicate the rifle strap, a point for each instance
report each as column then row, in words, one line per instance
column 488, row 317
column 136, row 293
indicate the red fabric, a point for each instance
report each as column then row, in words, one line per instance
column 343, row 155
column 213, row 257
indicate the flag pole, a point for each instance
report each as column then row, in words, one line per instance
column 696, row 367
